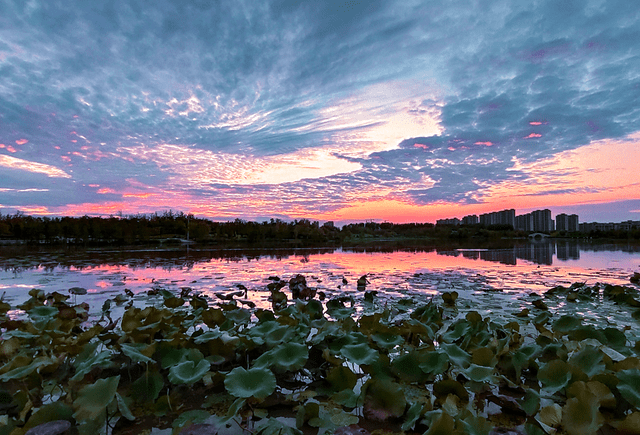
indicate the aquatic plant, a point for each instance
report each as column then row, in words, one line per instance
column 415, row 367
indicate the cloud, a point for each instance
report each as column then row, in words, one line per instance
column 312, row 105
column 38, row 168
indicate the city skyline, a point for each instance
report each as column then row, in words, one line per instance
column 330, row 111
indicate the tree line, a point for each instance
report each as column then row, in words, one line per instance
column 177, row 227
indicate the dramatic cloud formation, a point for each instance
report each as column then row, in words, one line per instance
column 397, row 110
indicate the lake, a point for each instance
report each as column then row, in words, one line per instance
column 489, row 280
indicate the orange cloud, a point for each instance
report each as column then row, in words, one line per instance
column 21, row 141
column 532, row 135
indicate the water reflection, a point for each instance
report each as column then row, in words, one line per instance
column 546, row 252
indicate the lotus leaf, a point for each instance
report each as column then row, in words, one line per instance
column 188, row 372
column 348, row 398
column 442, row 425
column 290, row 356
column 123, row 408
column 566, row 324
column 456, row 331
column 629, row 386
column 256, row 382
column 530, row 403
column 306, row 412
column 24, row 371
column 478, row 373
column 435, row 363
column 407, row 367
column 457, row 356
column 551, row 415
column 631, row 424
column 134, row 351
column 173, row 302
column 384, row 399
column 147, row 387
column 359, row 354
column 341, row 377
column 50, row 412
column 555, row 375
column 93, row 399
column 589, row 360
column 42, row 315
column 86, row 362
column 413, row 415
column 240, row 316
column 387, row 340
column 580, row 414
column 195, row 416
column 445, row 387
column 473, row 425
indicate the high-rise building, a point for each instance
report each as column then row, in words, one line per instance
column 504, row 217
column 566, row 222
column 542, row 221
column 471, row 219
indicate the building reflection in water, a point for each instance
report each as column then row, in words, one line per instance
column 541, row 252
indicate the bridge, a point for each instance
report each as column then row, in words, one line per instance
column 538, row 236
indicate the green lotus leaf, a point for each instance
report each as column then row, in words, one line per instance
column 290, row 356
column 554, row 375
column 348, row 398
column 407, row 367
column 207, row 336
column 173, row 302
column 456, row 331
column 306, row 412
column 435, row 363
column 413, row 415
column 589, row 360
column 93, row 399
column 341, row 418
column 386, row 340
column 566, row 324
column 629, row 386
column 476, row 425
column 50, row 412
column 530, row 403
column 359, row 354
column 147, row 387
column 188, row 372
column 314, row 309
column 241, row 316
column 134, row 351
column 614, row 337
column 457, row 356
column 42, row 315
column 195, row 416
column 24, row 371
column 341, row 377
column 384, row 399
column 123, row 408
column 256, row 382
column 347, row 339
column 445, row 387
column 478, row 373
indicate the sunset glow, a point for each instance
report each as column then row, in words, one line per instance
column 312, row 110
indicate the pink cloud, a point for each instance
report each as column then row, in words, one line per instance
column 532, row 135
column 420, row 145
column 11, row 149
column 537, row 123
column 487, row 143
column 21, row 141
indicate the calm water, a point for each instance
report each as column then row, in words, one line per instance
column 489, row 278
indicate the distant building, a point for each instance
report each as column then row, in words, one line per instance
column 453, row 221
column 567, row 223
column 588, row 227
column 471, row 219
column 542, row 221
column 504, row 217
column 524, row 222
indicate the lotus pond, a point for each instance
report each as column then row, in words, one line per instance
column 315, row 346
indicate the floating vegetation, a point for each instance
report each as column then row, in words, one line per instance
column 190, row 363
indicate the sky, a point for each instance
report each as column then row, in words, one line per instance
column 399, row 111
